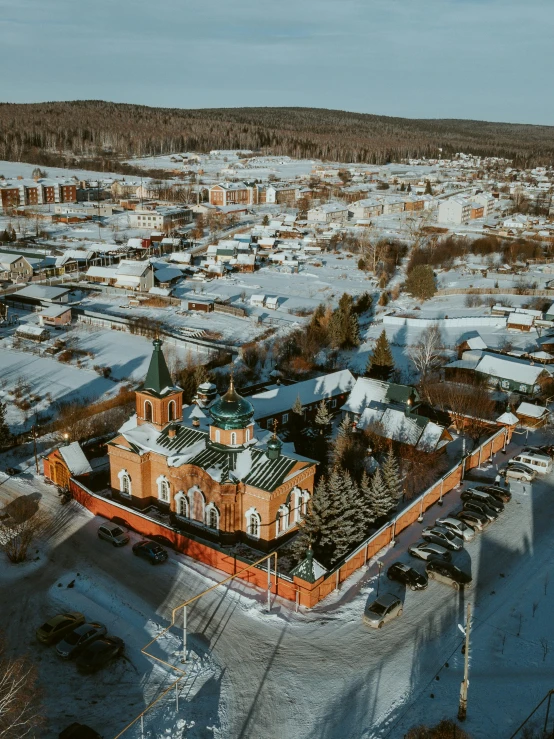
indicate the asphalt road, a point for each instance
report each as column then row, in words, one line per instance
column 322, row 674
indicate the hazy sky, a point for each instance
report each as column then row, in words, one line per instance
column 484, row 59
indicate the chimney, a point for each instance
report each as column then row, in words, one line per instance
column 196, row 422
column 172, row 432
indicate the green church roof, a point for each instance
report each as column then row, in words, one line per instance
column 232, row 411
column 158, row 380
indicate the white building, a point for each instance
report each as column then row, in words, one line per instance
column 454, row 210
column 366, row 208
column 160, row 219
column 328, row 212
column 487, row 201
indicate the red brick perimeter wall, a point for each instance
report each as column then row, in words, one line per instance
column 305, row 594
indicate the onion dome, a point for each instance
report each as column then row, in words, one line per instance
column 231, row 411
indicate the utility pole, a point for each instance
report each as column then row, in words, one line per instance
column 34, row 430
column 462, row 709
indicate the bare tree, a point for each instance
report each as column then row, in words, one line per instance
column 426, row 353
column 544, row 645
column 22, row 522
column 20, row 704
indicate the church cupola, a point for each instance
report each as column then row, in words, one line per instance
column 232, row 419
column 274, row 445
column 159, row 401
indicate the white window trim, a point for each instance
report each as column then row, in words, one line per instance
column 217, row 436
column 160, row 482
column 282, row 521
column 171, row 404
column 285, row 417
column 179, row 498
column 191, row 492
column 147, row 402
column 234, row 438
column 123, row 474
column 253, row 512
column 211, row 507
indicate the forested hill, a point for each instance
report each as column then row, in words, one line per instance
column 45, row 133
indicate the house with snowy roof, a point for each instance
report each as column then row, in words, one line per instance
column 502, row 371
column 208, row 467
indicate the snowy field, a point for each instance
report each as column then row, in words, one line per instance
column 319, row 674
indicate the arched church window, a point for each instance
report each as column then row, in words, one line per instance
column 147, row 411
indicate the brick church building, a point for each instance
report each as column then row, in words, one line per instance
column 206, row 467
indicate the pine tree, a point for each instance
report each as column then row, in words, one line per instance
column 344, row 331
column 323, row 417
column 428, row 188
column 350, row 523
column 297, row 407
column 265, row 220
column 421, row 282
column 380, row 499
column 345, row 427
column 409, row 188
column 318, row 526
column 6, row 437
column 402, row 187
column 381, row 363
column 366, row 501
column 391, row 476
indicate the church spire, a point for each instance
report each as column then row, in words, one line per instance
column 158, row 380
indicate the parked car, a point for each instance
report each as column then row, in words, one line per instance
column 100, row 653
column 489, row 500
column 383, row 609
column 518, row 472
column 473, row 518
column 151, row 551
column 114, row 534
column 539, row 463
column 442, row 536
column 58, row 626
column 426, row 550
column 457, row 527
column 79, row 731
column 407, row 575
column 497, row 492
column 448, row 573
column 80, row 638
column 477, row 507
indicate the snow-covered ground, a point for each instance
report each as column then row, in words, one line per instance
column 318, row 674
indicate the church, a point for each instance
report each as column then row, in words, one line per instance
column 209, row 467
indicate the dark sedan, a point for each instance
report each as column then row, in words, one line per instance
column 478, row 507
column 151, row 551
column 481, row 497
column 448, row 573
column 79, row 639
column 502, row 494
column 407, row 576
column 100, row 653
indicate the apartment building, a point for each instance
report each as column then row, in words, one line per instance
column 366, row 208
column 455, row 210
column 328, row 213
column 233, row 193
column 161, row 219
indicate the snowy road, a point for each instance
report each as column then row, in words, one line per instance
column 322, row 674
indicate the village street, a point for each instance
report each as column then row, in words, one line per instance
column 318, row 674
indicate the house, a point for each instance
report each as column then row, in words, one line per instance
column 166, row 276
column 31, row 332
column 257, row 301
column 233, row 193
column 245, row 263
column 33, row 297
column 130, row 274
column 217, row 480
column 534, row 416
column 367, row 391
column 472, row 340
column 520, row 321
column 55, row 315
column 502, row 371
column 66, row 462
column 16, row 266
column 272, row 303
column 276, row 403
column 328, row 212
column 389, row 410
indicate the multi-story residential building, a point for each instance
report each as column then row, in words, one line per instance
column 286, row 194
column 161, row 219
column 9, row 194
column 328, row 212
column 366, row 208
column 487, row 201
column 233, row 193
column 454, row 210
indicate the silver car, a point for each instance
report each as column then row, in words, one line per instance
column 426, row 550
column 114, row 534
column 457, row 527
column 442, row 536
column 383, row 609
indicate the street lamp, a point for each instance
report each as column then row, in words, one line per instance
column 380, row 566
column 66, row 438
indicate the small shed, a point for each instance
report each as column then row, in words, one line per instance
column 200, row 304
column 272, row 303
column 520, row 321
column 32, row 333
column 55, row 316
column 532, row 415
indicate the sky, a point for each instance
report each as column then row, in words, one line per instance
column 479, row 59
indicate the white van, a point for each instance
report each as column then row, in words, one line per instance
column 540, row 463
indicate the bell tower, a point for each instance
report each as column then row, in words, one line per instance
column 159, row 401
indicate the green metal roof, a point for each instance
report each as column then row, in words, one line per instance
column 158, row 380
